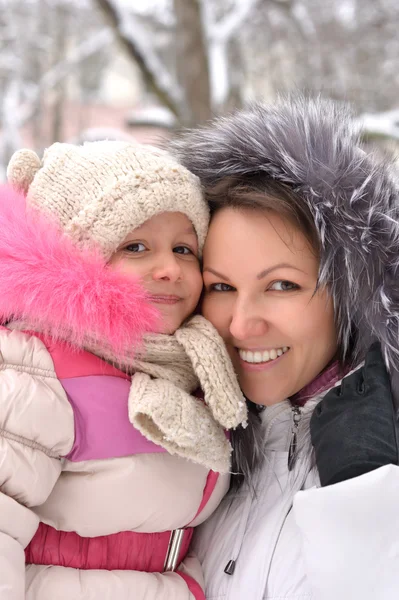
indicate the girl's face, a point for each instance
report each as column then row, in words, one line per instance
column 260, row 276
column 163, row 253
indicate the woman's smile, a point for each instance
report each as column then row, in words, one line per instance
column 260, row 360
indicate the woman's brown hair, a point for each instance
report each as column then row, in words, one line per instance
column 254, row 193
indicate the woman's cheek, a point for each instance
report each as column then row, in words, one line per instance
column 206, row 306
column 213, row 309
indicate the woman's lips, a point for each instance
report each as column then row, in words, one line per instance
column 165, row 299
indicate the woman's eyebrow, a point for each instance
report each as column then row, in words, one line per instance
column 215, row 273
column 283, row 265
column 261, row 275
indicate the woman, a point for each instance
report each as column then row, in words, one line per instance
column 300, row 269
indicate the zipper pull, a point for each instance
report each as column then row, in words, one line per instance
column 230, row 567
column 173, row 551
column 296, row 417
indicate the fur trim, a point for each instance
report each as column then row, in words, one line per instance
column 67, row 293
column 312, row 146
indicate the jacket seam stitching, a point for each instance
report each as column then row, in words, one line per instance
column 25, row 369
column 29, row 443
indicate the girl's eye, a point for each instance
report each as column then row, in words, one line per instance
column 136, row 247
column 221, row 287
column 283, row 286
column 182, row 250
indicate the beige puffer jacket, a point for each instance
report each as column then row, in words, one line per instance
column 54, row 470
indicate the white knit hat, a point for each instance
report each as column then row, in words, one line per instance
column 101, row 191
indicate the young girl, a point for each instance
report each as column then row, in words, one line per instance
column 108, row 460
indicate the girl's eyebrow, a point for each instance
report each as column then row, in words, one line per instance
column 190, row 230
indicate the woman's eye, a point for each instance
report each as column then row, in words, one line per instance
column 221, row 287
column 283, row 286
column 182, row 250
column 136, row 247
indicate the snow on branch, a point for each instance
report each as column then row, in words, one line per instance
column 227, row 27
column 385, row 124
column 130, row 34
column 303, row 20
column 62, row 69
column 134, row 33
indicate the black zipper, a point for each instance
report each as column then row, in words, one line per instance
column 296, row 417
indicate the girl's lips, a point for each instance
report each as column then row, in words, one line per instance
column 260, row 366
column 165, row 299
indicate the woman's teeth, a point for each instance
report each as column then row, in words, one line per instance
column 261, row 357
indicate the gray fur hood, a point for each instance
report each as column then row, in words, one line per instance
column 313, row 146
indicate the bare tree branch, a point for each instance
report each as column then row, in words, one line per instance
column 192, row 61
column 56, row 74
column 10, row 139
column 10, row 135
column 301, row 17
column 220, row 36
column 156, row 77
column 225, row 30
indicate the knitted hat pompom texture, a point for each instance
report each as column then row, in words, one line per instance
column 99, row 192
column 22, row 169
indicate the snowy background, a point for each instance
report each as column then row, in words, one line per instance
column 74, row 70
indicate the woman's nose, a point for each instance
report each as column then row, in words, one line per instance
column 247, row 323
column 167, row 267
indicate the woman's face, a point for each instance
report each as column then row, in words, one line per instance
column 260, row 276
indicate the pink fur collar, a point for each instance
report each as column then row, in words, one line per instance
column 62, row 291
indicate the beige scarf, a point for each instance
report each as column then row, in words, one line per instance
column 167, row 371
column 160, row 402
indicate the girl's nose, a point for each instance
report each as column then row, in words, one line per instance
column 167, row 268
